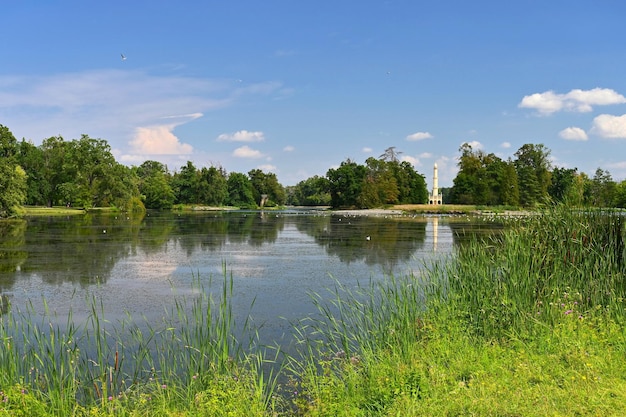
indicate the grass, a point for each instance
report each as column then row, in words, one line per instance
column 52, row 211
column 530, row 323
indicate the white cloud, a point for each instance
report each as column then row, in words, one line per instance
column 576, row 100
column 426, row 155
column 419, row 136
column 367, row 150
column 247, row 152
column 609, row 126
column 505, row 145
column 241, row 136
column 573, row 133
column 160, row 139
column 289, row 148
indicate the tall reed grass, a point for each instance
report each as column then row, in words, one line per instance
column 530, row 312
column 190, row 362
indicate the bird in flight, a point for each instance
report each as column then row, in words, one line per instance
column 123, row 57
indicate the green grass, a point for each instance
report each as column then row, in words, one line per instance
column 530, row 323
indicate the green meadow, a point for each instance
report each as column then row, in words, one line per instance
column 529, row 322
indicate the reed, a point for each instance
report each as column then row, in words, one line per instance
column 521, row 324
column 134, row 367
column 560, row 262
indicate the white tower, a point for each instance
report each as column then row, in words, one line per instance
column 435, row 197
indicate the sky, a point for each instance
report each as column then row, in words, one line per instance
column 296, row 87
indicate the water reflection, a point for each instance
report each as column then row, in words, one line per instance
column 140, row 265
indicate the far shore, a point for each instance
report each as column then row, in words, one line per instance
column 398, row 209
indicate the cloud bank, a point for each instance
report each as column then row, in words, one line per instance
column 576, row 100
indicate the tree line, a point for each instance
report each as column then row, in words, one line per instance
column 529, row 180
column 84, row 173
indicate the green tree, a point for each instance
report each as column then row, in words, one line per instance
column 12, row 176
column 412, row 188
column 533, row 169
column 566, row 186
column 603, row 189
column 620, row 195
column 91, row 167
column 31, row 159
column 185, row 184
column 154, row 185
column 55, row 172
column 470, row 186
column 346, row 183
column 310, row 192
column 240, row 192
column 267, row 184
column 212, row 187
column 379, row 186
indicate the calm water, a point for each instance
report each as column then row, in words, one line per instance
column 276, row 259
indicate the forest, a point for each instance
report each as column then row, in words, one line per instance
column 84, row 173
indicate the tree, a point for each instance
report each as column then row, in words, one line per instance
column 620, row 195
column 31, row 159
column 310, row 192
column 470, row 184
column 603, row 189
column 412, row 187
column 266, row 184
column 12, row 176
column 185, row 184
column 379, row 186
column 346, row 183
column 533, row 173
column 212, row 187
column 390, row 155
column 566, row 186
column 240, row 192
column 90, row 167
column 55, row 171
column 154, row 185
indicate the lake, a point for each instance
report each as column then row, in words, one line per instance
column 277, row 259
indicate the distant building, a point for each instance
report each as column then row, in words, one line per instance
column 435, row 197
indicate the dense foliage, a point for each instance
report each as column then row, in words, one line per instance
column 529, row 180
column 84, row 173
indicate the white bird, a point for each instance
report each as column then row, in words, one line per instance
column 367, row 238
column 123, row 57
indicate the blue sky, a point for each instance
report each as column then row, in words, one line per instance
column 297, row 87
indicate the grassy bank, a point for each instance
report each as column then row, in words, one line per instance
column 528, row 324
column 531, row 324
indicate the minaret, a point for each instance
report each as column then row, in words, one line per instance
column 435, row 197
column 435, row 181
